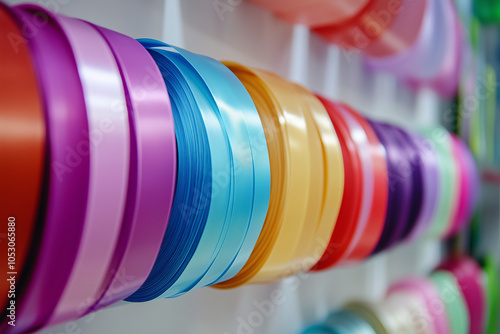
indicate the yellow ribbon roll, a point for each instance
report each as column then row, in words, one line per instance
column 306, row 178
column 332, row 185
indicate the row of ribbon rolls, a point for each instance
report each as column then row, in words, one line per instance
column 390, row 34
column 137, row 170
column 459, row 297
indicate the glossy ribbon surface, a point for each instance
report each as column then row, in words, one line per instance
column 275, row 139
column 350, row 208
column 23, row 149
column 153, row 164
column 109, row 167
column 68, row 134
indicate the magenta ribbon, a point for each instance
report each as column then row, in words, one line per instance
column 61, row 221
column 153, row 160
column 109, row 168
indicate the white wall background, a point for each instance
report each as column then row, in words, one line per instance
column 252, row 36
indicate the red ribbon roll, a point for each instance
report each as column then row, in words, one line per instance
column 373, row 230
column 350, row 208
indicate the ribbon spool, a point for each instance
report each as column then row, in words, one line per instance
column 375, row 224
column 314, row 13
column 447, row 79
column 272, row 100
column 430, row 175
column 22, row 157
column 407, row 310
column 298, row 211
column 275, row 138
column 418, row 53
column 400, row 187
column 237, row 98
column 382, row 29
column 364, row 151
column 109, row 168
column 197, row 136
column 178, row 269
column 455, row 307
column 433, row 319
column 415, row 170
column 344, row 322
column 301, row 216
column 469, row 277
column 439, row 139
column 251, row 173
column 67, row 127
column 487, row 11
column 333, row 184
column 153, row 163
column 444, row 55
column 350, row 208
column 320, row 329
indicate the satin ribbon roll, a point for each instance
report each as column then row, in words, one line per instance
column 202, row 151
column 375, row 220
column 256, row 160
column 400, row 187
column 432, row 318
column 320, row 329
column 418, row 53
column 302, row 212
column 68, row 171
column 439, row 138
column 364, row 151
column 469, row 278
column 23, row 141
column 446, row 53
column 303, row 184
column 385, row 317
column 153, row 164
column 439, row 41
column 350, row 208
column 314, row 13
column 333, row 184
column 269, row 96
column 430, row 175
column 487, row 11
column 408, row 311
column 250, row 183
column 279, row 153
column 415, row 175
column 382, row 29
column 109, row 168
column 453, row 299
column 344, row 322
